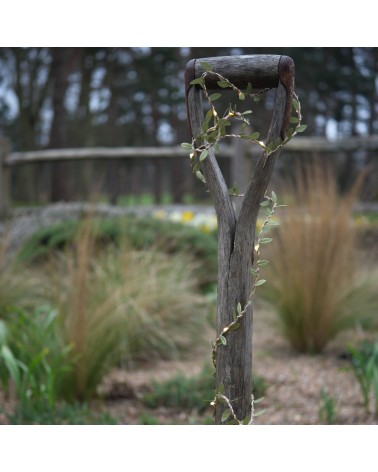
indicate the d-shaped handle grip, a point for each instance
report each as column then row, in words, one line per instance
column 261, row 70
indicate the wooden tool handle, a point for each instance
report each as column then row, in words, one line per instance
column 261, row 70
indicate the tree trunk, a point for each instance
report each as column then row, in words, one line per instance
column 59, row 190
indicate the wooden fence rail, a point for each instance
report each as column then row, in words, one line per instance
column 237, row 151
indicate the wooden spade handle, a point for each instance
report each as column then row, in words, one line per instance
column 261, row 70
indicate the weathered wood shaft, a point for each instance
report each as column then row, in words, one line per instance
column 235, row 252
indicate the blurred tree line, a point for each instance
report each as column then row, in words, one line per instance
column 80, row 97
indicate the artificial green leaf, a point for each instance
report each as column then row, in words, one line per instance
column 199, row 81
column 200, row 176
column 224, row 122
column 223, row 340
column 225, row 415
column 294, row 119
column 290, row 133
column 206, row 66
column 265, row 240
column 223, row 84
column 259, row 413
column 186, row 146
column 233, row 422
column 234, row 326
column 239, row 308
column 214, row 96
column 274, row 197
column 249, row 89
column 221, row 388
column 260, row 282
column 241, row 96
column 258, row 400
column 273, row 223
column 203, row 155
column 301, row 128
column 209, row 115
column 247, row 420
column 295, row 104
column 256, row 98
column 247, row 112
column 196, row 167
column 262, row 263
column 269, row 147
column 255, row 135
column 213, row 136
column 265, row 203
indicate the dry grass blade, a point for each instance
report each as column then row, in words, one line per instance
column 19, row 286
column 316, row 280
column 119, row 305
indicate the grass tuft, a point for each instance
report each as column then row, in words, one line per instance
column 318, row 282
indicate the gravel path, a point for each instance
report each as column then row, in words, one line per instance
column 294, row 383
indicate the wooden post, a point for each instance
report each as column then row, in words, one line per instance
column 236, row 235
column 5, row 198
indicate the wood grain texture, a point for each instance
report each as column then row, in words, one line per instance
column 259, row 69
column 236, row 238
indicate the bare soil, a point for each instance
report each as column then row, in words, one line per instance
column 294, row 383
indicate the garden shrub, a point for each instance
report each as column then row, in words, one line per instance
column 139, row 233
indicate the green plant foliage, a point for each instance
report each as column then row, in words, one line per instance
column 327, row 408
column 35, row 359
column 364, row 360
column 62, row 413
column 195, row 392
column 139, row 233
column 33, row 356
column 18, row 285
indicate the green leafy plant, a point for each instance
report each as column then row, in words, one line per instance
column 190, row 392
column 319, row 285
column 364, row 360
column 19, row 286
column 138, row 233
column 35, row 360
column 327, row 408
column 62, row 413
